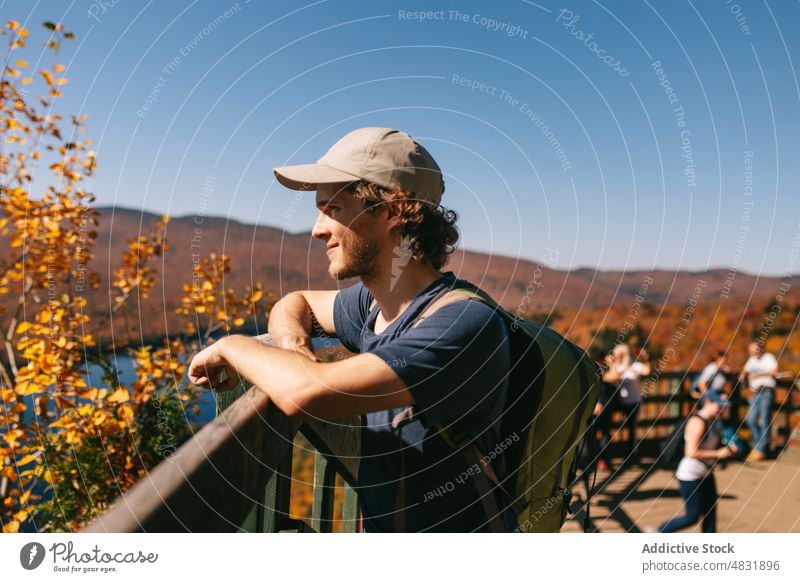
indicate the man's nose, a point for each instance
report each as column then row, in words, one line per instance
column 321, row 230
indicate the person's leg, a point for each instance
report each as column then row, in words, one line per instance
column 633, row 427
column 625, row 427
column 763, row 419
column 603, row 442
column 691, row 505
column 708, row 503
column 621, row 431
column 606, row 422
column 752, row 420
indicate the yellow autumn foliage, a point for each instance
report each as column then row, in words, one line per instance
column 85, row 433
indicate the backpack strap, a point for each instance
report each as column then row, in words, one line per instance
column 486, row 481
column 445, row 297
column 472, row 452
column 400, row 496
column 487, row 493
column 706, row 423
column 475, row 452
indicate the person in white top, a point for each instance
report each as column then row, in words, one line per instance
column 626, row 373
column 760, row 370
column 713, row 375
column 695, row 471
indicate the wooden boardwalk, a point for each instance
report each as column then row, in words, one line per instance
column 754, row 497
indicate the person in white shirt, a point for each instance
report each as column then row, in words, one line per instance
column 626, row 374
column 760, row 370
column 713, row 375
column 695, row 471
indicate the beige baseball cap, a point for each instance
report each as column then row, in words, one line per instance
column 386, row 157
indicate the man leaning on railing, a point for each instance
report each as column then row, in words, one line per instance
column 378, row 193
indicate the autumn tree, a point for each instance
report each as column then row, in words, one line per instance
column 72, row 442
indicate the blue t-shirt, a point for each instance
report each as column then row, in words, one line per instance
column 455, row 363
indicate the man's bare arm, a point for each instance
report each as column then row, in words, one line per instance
column 291, row 324
column 300, row 387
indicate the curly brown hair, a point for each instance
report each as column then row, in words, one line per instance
column 428, row 230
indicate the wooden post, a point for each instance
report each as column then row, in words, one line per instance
column 277, row 497
column 681, row 396
column 324, row 487
column 272, row 508
column 350, row 510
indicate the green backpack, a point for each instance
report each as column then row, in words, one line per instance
column 552, row 391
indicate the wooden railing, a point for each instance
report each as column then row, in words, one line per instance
column 667, row 397
column 236, row 473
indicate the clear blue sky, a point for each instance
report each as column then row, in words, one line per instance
column 185, row 93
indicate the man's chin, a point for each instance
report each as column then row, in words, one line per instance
column 337, row 276
column 340, row 274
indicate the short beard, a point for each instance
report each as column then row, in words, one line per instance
column 358, row 262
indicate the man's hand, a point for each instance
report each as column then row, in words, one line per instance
column 297, row 344
column 294, row 318
column 210, row 369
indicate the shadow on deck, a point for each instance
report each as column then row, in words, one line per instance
column 759, row 497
